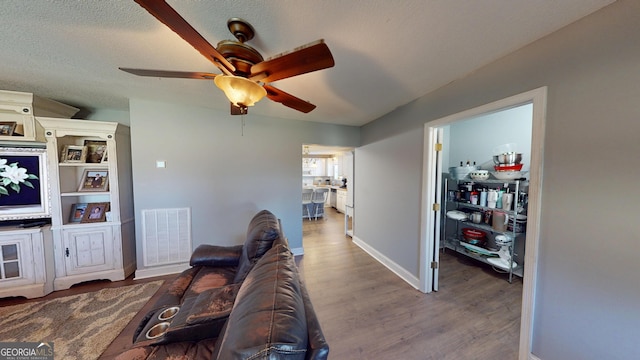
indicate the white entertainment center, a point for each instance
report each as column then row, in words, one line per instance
column 82, row 226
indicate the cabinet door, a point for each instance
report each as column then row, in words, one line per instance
column 88, row 250
column 16, row 260
column 341, row 201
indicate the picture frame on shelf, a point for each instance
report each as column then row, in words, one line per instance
column 73, row 154
column 7, row 128
column 96, row 150
column 77, row 211
column 94, row 180
column 95, row 212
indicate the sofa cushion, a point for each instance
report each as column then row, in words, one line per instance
column 209, row 277
column 262, row 231
column 268, row 320
column 213, row 304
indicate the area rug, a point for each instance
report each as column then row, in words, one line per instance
column 80, row 326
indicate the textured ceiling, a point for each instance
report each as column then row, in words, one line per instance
column 387, row 53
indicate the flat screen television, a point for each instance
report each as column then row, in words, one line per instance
column 24, row 190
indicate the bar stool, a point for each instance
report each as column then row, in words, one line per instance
column 318, row 200
column 307, row 195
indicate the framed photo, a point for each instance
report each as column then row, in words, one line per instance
column 94, row 180
column 74, row 154
column 105, row 157
column 77, row 211
column 95, row 212
column 7, row 128
column 96, row 150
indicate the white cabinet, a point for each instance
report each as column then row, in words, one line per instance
column 314, row 166
column 88, row 248
column 341, row 200
column 25, row 262
column 18, row 111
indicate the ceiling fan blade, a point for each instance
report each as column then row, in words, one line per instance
column 307, row 58
column 171, row 74
column 168, row 16
column 288, row 100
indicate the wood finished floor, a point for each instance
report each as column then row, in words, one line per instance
column 367, row 312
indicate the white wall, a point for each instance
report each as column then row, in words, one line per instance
column 474, row 139
column 225, row 177
column 586, row 301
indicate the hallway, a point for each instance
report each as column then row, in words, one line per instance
column 367, row 312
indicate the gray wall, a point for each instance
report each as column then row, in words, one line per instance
column 586, row 302
column 225, row 177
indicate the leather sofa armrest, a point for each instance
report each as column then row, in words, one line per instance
column 318, row 347
column 212, row 255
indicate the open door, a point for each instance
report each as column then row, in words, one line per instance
column 438, row 134
column 431, row 207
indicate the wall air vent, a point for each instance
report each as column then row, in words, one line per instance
column 166, row 236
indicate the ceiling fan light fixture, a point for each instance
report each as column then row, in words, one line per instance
column 240, row 91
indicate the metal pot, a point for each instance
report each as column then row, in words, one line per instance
column 510, row 158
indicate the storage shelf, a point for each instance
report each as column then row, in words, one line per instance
column 483, row 208
column 87, row 225
column 452, row 241
column 85, row 193
column 454, row 244
column 486, row 227
column 99, row 248
column 522, row 181
column 83, row 165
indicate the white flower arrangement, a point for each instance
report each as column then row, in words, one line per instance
column 12, row 177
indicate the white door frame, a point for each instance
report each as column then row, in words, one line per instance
column 537, row 97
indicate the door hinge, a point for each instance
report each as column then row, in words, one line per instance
column 66, row 252
column 434, row 264
column 438, row 147
column 436, row 207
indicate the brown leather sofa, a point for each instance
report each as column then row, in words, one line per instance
column 239, row 302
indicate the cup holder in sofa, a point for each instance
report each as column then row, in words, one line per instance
column 168, row 313
column 157, row 330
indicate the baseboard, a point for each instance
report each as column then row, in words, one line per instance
column 388, row 263
column 160, row 270
column 533, row 357
column 297, row 251
column 65, row 282
column 28, row 291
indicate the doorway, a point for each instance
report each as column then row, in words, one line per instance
column 431, row 201
column 331, row 167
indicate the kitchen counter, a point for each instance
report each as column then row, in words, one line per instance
column 332, row 187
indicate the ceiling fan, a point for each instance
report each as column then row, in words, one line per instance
column 245, row 74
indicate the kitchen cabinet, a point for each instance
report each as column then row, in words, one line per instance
column 333, row 197
column 314, row 167
column 507, row 237
column 87, row 248
column 341, row 200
